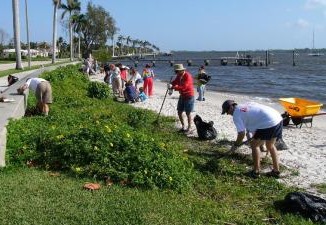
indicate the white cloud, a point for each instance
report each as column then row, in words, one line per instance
column 302, row 23
column 314, row 4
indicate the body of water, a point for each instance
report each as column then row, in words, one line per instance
column 307, row 79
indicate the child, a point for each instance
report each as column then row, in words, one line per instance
column 142, row 96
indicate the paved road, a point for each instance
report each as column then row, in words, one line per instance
column 8, row 66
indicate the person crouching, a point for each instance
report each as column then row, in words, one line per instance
column 130, row 92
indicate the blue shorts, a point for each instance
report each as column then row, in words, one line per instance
column 269, row 133
column 186, row 105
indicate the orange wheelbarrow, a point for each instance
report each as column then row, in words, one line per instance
column 300, row 111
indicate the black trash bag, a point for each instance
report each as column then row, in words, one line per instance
column 205, row 131
column 305, row 204
column 286, row 118
column 280, row 144
column 12, row 79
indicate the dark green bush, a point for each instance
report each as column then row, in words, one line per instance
column 99, row 90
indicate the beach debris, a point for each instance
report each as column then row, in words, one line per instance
column 54, row 174
column 92, row 186
column 4, row 99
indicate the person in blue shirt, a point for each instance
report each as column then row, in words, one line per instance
column 142, row 96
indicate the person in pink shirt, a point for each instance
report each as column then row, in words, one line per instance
column 123, row 74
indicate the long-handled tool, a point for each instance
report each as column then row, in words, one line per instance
column 166, row 93
column 233, row 150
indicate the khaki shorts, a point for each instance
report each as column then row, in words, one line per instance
column 44, row 92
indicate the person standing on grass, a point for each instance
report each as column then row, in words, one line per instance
column 43, row 93
column 148, row 77
column 184, row 84
column 265, row 123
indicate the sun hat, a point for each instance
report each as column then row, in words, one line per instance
column 226, row 106
column 178, row 67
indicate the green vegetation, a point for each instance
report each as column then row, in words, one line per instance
column 320, row 187
column 158, row 176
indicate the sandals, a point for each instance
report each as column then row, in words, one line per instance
column 253, row 174
column 274, row 173
column 182, row 130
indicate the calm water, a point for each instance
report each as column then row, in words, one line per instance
column 306, row 79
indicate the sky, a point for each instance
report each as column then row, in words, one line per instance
column 193, row 25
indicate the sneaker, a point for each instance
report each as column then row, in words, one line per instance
column 253, row 174
column 182, row 130
column 273, row 173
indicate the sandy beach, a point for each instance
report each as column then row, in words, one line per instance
column 306, row 151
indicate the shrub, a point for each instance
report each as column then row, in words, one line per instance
column 99, row 90
column 97, row 138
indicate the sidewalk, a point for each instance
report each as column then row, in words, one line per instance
column 8, row 66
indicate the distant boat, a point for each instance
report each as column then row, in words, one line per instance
column 313, row 50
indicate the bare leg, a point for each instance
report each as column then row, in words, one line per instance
column 45, row 109
column 39, row 107
column 255, row 147
column 270, row 145
column 181, row 119
column 189, row 120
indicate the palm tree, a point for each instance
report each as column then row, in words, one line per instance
column 112, row 39
column 59, row 43
column 71, row 7
column 119, row 43
column 16, row 23
column 128, row 41
column 56, row 4
column 79, row 22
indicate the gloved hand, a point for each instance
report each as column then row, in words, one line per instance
column 169, row 86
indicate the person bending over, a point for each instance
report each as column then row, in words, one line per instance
column 43, row 93
column 265, row 123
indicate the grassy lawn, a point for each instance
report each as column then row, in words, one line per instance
column 149, row 173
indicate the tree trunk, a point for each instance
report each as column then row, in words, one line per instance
column 79, row 55
column 54, row 34
column 16, row 23
column 71, row 41
column 27, row 34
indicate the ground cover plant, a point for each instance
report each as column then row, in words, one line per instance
column 149, row 173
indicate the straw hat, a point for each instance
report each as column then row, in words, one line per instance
column 178, row 67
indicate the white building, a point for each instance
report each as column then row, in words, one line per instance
column 11, row 53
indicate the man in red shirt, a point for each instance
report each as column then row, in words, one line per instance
column 184, row 84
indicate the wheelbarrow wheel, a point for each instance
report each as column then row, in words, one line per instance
column 297, row 120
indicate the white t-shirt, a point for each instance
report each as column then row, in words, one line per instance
column 33, row 82
column 252, row 116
